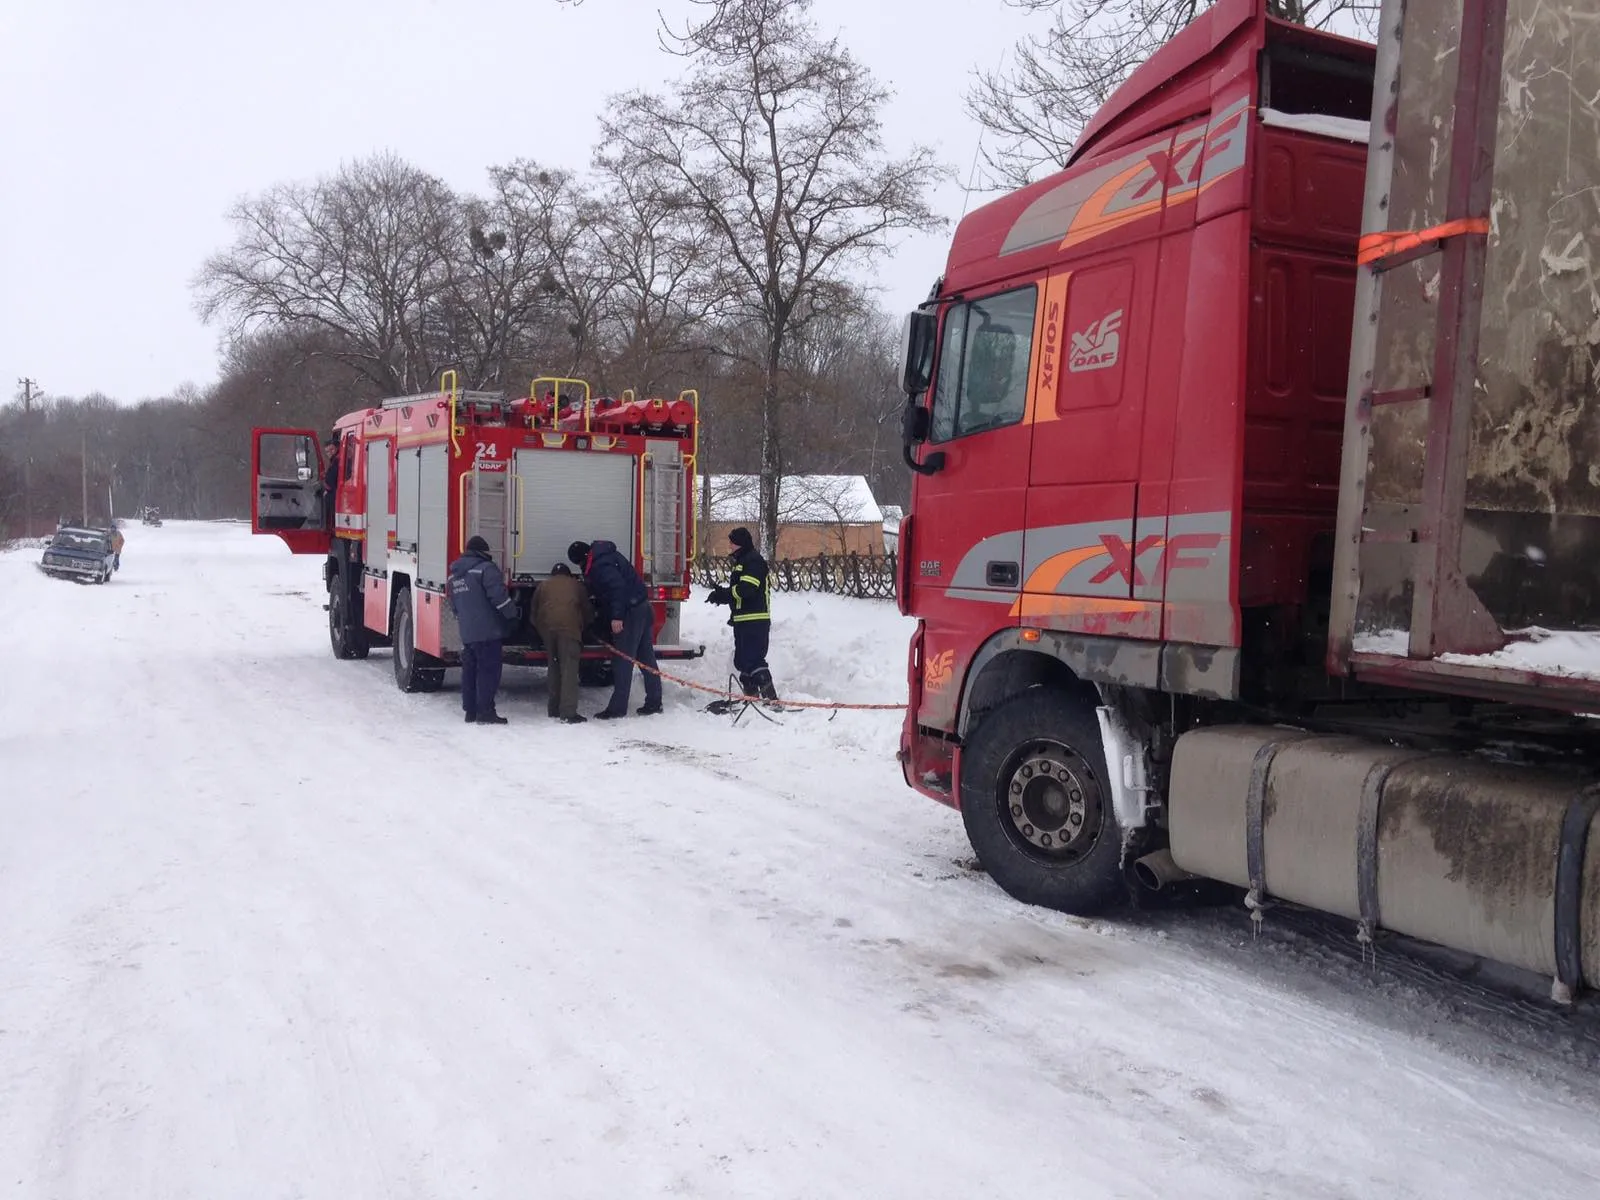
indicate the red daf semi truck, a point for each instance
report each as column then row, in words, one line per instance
column 1255, row 530
column 420, row 475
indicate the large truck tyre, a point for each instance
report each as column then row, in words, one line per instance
column 414, row 671
column 1037, row 803
column 346, row 632
column 596, row 672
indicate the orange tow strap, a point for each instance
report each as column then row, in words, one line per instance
column 715, row 691
column 1382, row 245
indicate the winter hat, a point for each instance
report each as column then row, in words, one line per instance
column 577, row 552
column 476, row 545
column 741, row 538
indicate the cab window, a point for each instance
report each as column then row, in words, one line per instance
column 983, row 364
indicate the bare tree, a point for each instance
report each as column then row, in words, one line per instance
column 832, row 503
column 502, row 300
column 774, row 137
column 666, row 289
column 360, row 256
column 1037, row 106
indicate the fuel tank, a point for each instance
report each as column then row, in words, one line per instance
column 1490, row 859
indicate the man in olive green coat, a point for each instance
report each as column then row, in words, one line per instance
column 562, row 610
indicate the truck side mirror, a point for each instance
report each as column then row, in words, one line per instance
column 915, row 425
column 921, row 328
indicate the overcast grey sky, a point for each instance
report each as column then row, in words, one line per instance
column 128, row 127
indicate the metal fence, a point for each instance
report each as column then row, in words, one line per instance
column 865, row 576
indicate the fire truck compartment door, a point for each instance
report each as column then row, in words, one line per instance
column 378, row 517
column 407, row 483
column 563, row 496
column 433, row 517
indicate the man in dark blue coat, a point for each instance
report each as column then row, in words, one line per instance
column 625, row 601
column 483, row 609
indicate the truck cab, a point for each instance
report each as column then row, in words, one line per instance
column 1130, row 391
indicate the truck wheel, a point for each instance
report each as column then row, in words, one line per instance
column 414, row 671
column 595, row 672
column 1037, row 804
column 345, row 630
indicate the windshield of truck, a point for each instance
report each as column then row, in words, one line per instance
column 78, row 539
column 982, row 379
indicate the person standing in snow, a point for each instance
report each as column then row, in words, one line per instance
column 561, row 612
column 748, row 594
column 483, row 609
column 620, row 592
column 117, row 542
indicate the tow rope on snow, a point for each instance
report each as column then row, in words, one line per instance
column 740, row 698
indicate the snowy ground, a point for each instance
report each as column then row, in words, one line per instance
column 271, row 928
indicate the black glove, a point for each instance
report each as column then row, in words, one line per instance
column 719, row 595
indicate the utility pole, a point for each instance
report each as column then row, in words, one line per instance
column 28, row 386
column 83, row 459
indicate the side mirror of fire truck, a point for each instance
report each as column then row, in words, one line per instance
column 302, row 460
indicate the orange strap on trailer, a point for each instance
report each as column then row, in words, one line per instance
column 1375, row 246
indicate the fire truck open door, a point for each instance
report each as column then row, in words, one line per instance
column 287, row 500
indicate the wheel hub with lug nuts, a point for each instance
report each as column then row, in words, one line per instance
column 1049, row 804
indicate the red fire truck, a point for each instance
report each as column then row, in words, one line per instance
column 1208, row 587
column 419, row 475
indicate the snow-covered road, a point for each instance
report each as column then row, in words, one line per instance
column 270, row 928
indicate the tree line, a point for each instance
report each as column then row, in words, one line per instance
column 715, row 242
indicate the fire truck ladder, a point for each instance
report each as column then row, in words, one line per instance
column 663, row 518
column 493, row 399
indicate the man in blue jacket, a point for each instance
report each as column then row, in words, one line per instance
column 483, row 609
column 625, row 600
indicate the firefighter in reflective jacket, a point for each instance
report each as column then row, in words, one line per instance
column 749, row 594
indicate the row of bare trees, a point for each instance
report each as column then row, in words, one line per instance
column 715, row 242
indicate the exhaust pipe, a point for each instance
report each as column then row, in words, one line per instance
column 1157, row 871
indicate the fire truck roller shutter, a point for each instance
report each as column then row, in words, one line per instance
column 407, row 483
column 433, row 517
column 565, row 496
column 377, row 547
